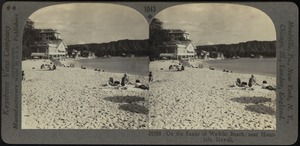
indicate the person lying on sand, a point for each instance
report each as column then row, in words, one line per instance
column 265, row 85
column 138, row 84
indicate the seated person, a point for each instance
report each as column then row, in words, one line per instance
column 124, row 80
column 238, row 82
column 111, row 81
column 252, row 81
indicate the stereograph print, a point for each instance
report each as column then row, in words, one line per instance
column 149, row 72
column 202, row 72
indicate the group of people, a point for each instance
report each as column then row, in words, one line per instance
column 224, row 70
column 179, row 67
column 252, row 82
column 99, row 70
column 125, row 81
column 50, row 66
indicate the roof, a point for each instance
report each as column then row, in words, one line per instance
column 48, row 31
column 56, row 43
column 166, row 55
column 175, row 31
column 180, row 44
column 175, row 43
column 38, row 54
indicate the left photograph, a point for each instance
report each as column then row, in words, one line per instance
column 85, row 66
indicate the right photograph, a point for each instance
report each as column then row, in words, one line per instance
column 213, row 66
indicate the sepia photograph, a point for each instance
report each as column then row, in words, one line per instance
column 214, row 67
column 168, row 73
column 195, row 66
column 86, row 70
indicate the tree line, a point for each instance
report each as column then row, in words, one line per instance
column 149, row 47
column 244, row 49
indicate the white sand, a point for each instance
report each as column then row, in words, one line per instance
column 74, row 98
column 202, row 99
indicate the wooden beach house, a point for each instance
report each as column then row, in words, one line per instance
column 50, row 45
column 177, row 45
column 88, row 54
column 217, row 55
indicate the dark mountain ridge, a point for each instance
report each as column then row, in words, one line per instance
column 243, row 49
column 142, row 48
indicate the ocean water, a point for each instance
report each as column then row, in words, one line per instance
column 266, row 67
column 130, row 65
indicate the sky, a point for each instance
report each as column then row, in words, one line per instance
column 207, row 23
column 92, row 22
column 219, row 23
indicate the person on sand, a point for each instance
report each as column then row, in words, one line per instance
column 125, row 80
column 138, row 84
column 265, row 85
column 238, row 82
column 50, row 66
column 182, row 67
column 150, row 77
column 252, row 81
column 111, row 81
column 23, row 75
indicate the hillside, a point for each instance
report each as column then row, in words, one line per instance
column 243, row 49
column 141, row 48
column 116, row 48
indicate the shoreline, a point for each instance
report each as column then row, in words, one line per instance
column 241, row 71
column 75, row 98
column 196, row 98
column 199, row 98
column 131, row 65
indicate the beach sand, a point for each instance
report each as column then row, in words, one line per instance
column 199, row 98
column 74, row 98
column 196, row 98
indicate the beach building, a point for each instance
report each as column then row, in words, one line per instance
column 217, row 55
column 75, row 54
column 88, row 54
column 204, row 54
column 177, row 45
column 50, row 45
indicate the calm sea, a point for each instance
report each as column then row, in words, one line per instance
column 265, row 67
column 131, row 65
